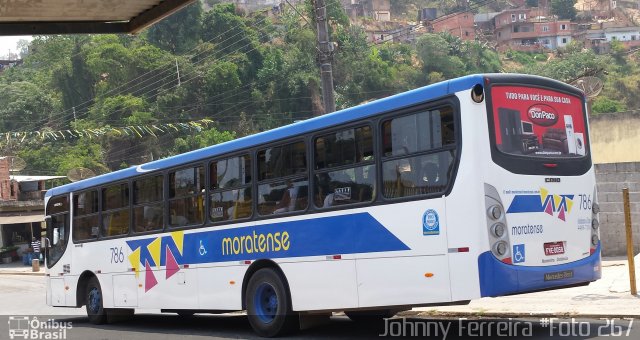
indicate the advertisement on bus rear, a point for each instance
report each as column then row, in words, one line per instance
column 537, row 122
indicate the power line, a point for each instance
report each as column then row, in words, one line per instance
column 165, row 69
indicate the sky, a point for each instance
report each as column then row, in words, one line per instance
column 9, row 43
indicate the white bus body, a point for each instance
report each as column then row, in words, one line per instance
column 386, row 256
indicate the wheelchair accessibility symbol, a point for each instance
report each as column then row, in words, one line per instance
column 518, row 253
column 202, row 250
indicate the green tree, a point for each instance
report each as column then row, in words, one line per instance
column 24, row 107
column 435, row 53
column 202, row 139
column 179, row 32
column 564, row 9
column 571, row 66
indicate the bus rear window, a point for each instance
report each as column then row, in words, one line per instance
column 538, row 123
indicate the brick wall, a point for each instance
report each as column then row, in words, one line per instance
column 611, row 178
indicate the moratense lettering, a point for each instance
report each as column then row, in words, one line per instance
column 527, row 229
column 256, row 243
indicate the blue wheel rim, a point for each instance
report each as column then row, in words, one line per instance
column 266, row 302
column 95, row 300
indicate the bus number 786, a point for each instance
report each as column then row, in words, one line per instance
column 117, row 256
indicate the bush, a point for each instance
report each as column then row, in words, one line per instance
column 606, row 105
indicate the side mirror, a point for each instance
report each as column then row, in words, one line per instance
column 44, row 243
column 56, row 236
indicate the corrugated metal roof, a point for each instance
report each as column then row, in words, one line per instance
column 32, row 17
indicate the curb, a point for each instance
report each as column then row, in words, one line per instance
column 478, row 315
column 22, row 273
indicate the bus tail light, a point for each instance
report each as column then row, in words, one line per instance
column 498, row 230
column 500, row 248
column 495, row 212
column 497, row 225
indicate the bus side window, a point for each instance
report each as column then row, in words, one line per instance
column 148, row 203
column 186, row 196
column 419, row 150
column 86, row 225
column 335, row 185
column 230, row 197
column 115, row 210
column 283, row 179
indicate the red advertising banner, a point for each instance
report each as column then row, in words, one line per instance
column 538, row 122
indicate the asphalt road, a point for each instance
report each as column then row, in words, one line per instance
column 22, row 308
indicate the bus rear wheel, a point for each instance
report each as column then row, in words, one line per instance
column 268, row 304
column 95, row 310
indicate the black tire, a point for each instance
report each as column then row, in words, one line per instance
column 269, row 304
column 94, row 304
column 369, row 316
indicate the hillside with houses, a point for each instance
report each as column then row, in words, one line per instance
column 233, row 68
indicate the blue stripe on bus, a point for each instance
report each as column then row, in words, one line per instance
column 395, row 102
column 525, row 203
column 345, row 234
column 498, row 278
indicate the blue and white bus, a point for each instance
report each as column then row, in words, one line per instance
column 473, row 187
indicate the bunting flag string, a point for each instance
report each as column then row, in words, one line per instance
column 138, row 131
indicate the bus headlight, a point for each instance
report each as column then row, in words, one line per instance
column 595, row 208
column 500, row 248
column 498, row 230
column 495, row 212
column 594, row 240
column 595, row 223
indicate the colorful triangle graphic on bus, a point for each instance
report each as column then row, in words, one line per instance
column 134, row 258
column 149, row 279
column 172, row 265
column 549, row 208
column 154, row 250
column 561, row 215
column 178, row 239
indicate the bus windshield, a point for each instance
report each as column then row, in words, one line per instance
column 538, row 122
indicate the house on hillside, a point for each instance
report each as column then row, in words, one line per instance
column 379, row 10
column 526, row 29
column 5, row 64
column 21, row 207
column 599, row 37
column 460, row 25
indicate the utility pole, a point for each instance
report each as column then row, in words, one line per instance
column 178, row 71
column 325, row 56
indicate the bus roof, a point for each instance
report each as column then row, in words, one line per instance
column 405, row 99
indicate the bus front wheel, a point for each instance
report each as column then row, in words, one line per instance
column 268, row 304
column 95, row 310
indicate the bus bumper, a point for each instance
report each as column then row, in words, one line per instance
column 497, row 278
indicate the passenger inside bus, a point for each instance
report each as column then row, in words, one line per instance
column 288, row 195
